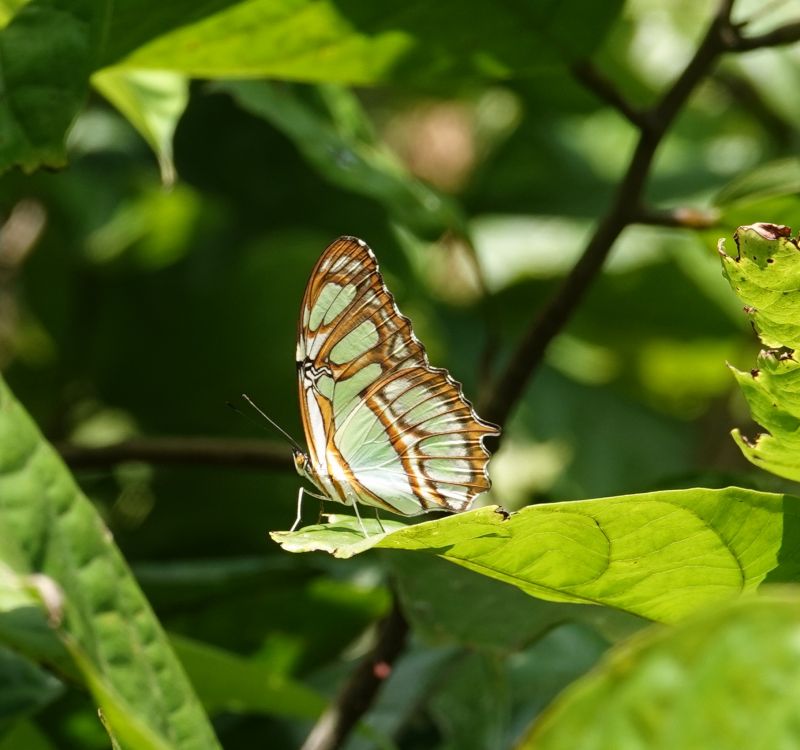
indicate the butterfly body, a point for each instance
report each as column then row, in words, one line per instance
column 383, row 427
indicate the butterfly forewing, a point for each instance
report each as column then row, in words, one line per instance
column 383, row 427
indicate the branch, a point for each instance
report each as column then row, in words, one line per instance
column 788, row 34
column 681, row 217
column 192, row 451
column 602, row 87
column 360, row 690
column 624, row 209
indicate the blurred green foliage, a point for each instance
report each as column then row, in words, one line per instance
column 131, row 308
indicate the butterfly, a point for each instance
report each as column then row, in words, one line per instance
column 383, row 427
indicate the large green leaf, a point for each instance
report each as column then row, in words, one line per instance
column 363, row 43
column 660, row 555
column 729, row 679
column 766, row 277
column 49, row 528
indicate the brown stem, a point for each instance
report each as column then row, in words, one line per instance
column 787, row 34
column 605, row 90
column 257, row 454
column 360, row 690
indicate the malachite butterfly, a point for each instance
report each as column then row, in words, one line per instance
column 383, row 427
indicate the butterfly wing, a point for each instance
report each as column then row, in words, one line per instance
column 383, row 427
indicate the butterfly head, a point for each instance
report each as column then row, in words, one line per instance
column 302, row 464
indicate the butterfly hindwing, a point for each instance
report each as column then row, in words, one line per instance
column 384, row 427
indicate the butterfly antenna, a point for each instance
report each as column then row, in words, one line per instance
column 280, row 429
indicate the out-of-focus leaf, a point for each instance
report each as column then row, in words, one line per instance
column 765, row 274
column 30, row 605
column 512, row 691
column 659, row 555
column 7, row 10
column 772, row 391
column 152, row 101
column 501, row 618
column 473, row 707
column 227, row 682
column 155, row 229
column 24, row 688
column 728, row 679
column 771, row 180
column 25, row 736
column 360, row 43
column 339, row 145
column 107, row 626
column 415, row 675
column 47, row 51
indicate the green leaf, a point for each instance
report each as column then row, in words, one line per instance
column 766, row 277
column 24, row 688
column 227, row 682
column 765, row 274
column 341, row 536
column 47, row 52
column 51, row 47
column 103, row 619
column 153, row 102
column 25, row 736
column 772, row 392
column 727, row 679
column 659, row 555
column 335, row 138
column 771, row 180
column 361, row 43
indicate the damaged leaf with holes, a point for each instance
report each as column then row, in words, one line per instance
column 765, row 274
column 772, row 391
column 766, row 277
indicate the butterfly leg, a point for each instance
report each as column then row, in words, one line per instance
column 299, row 515
column 378, row 519
column 360, row 522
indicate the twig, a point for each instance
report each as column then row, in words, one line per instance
column 682, row 217
column 359, row 692
column 776, row 38
column 596, row 82
column 259, row 454
column 625, row 209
